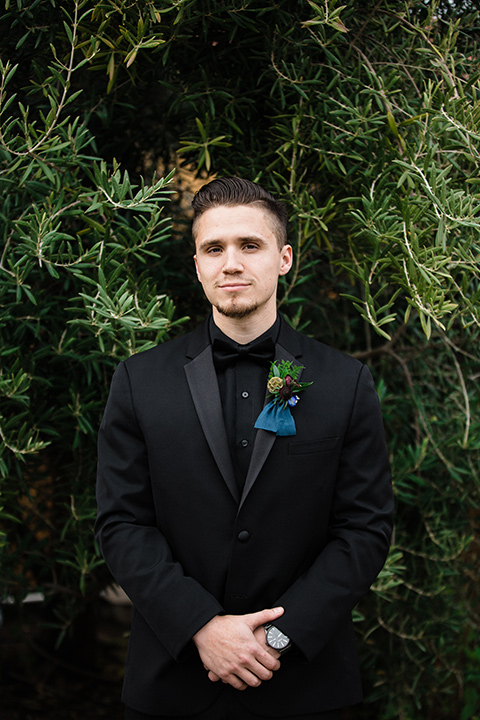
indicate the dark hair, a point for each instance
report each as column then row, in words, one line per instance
column 238, row 191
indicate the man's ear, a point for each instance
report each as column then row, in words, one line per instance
column 196, row 268
column 286, row 259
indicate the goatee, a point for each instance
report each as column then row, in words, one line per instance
column 233, row 311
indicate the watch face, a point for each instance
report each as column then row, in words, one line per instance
column 276, row 639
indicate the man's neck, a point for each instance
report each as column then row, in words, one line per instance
column 244, row 330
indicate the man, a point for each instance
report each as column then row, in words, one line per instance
column 243, row 550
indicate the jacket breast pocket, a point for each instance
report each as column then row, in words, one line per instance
column 306, row 447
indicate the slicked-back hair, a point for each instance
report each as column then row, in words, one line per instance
column 238, row 191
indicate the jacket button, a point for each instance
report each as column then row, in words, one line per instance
column 243, row 536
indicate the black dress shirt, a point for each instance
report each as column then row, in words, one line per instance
column 243, row 387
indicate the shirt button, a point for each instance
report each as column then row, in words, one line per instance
column 245, row 394
column 244, row 443
column 243, row 536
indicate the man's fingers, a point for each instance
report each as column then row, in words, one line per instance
column 264, row 616
column 236, row 683
column 268, row 664
column 232, row 650
column 259, row 634
column 233, row 680
column 244, row 679
column 212, row 676
column 243, row 676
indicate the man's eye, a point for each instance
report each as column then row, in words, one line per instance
column 214, row 250
column 250, row 246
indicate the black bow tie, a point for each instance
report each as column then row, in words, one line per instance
column 226, row 353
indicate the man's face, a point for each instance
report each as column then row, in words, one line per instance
column 238, row 260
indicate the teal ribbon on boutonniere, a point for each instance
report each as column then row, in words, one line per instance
column 283, row 387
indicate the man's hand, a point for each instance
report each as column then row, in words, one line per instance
column 260, row 636
column 233, row 649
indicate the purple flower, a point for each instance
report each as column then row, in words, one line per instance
column 285, row 392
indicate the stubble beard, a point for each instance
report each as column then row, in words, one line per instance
column 236, row 312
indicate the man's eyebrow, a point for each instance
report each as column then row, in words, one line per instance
column 208, row 243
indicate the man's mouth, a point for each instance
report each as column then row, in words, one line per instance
column 232, row 286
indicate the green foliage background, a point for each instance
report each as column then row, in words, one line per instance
column 365, row 118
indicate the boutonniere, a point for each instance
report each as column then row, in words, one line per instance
column 283, row 387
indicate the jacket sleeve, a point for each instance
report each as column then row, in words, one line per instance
column 359, row 532
column 136, row 552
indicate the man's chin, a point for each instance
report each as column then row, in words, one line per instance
column 235, row 311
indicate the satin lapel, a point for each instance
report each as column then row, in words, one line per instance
column 202, row 380
column 264, row 439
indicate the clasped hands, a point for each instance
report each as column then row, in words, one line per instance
column 233, row 649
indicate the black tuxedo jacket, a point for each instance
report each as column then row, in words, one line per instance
column 309, row 532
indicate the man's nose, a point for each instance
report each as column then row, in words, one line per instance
column 232, row 261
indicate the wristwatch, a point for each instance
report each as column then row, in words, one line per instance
column 276, row 639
